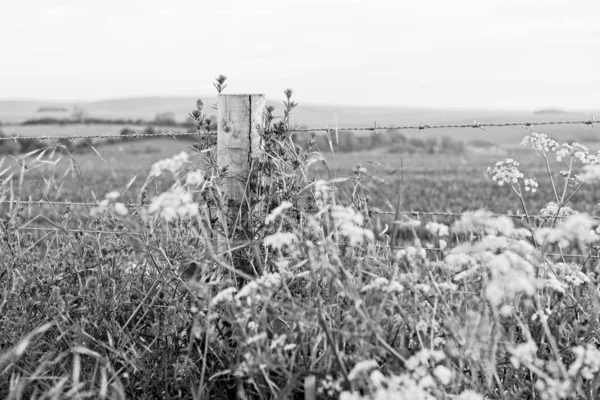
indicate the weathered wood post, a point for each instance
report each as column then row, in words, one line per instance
column 239, row 121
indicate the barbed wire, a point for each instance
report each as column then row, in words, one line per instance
column 589, row 256
column 59, row 203
column 106, row 136
column 414, row 213
column 460, row 214
column 374, row 128
column 475, row 124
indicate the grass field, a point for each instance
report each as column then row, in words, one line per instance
column 420, row 182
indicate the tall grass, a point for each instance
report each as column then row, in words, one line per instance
column 294, row 291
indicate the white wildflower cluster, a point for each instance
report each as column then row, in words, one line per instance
column 506, row 171
column 382, row 284
column 252, row 289
column 280, row 240
column 568, row 274
column 578, row 152
column 437, row 229
column 349, row 223
column 424, row 374
column 322, row 193
column 483, row 221
column 362, row 368
column 195, row 178
column 277, row 211
column 590, row 175
column 587, row 361
column 511, row 274
column 411, row 254
column 576, row 228
column 552, row 210
column 173, row 165
column 174, row 203
column 110, row 200
column 524, row 353
column 540, row 142
column 554, row 389
column 224, row 296
column 530, row 185
column 459, row 261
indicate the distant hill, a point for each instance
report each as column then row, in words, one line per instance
column 318, row 116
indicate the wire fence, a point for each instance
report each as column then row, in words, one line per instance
column 528, row 124
column 417, row 214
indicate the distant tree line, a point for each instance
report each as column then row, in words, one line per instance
column 165, row 119
column 394, row 142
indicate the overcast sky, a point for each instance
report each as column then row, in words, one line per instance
column 457, row 53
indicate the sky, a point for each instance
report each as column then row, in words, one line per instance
column 510, row 54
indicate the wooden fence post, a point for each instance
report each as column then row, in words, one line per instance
column 240, row 117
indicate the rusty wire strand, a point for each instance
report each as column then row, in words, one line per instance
column 589, row 256
column 416, row 214
column 374, row 128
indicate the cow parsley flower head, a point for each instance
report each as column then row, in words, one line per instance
column 506, row 171
column 577, row 152
column 437, row 229
column 224, row 296
column 531, row 185
column 279, row 240
column 591, row 174
column 176, row 202
column 349, row 221
column 109, row 199
column 523, row 353
column 540, row 142
column 172, row 165
column 195, row 178
column 277, row 211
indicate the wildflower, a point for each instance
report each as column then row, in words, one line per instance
column 267, row 281
column 176, row 202
column 361, row 367
column 195, row 178
column 591, row 174
column 511, row 274
column 224, row 296
column 506, row 171
column 358, row 169
column 587, row 361
column 482, row 220
column 411, row 254
column 531, row 185
column 443, row 244
column 121, row 209
column 112, row 196
column 443, row 374
column 469, row 395
column 348, row 221
column 524, row 353
column 172, row 165
column 277, row 211
column 540, row 142
column 437, row 229
column 576, row 151
column 280, row 240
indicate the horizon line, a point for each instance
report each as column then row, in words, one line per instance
column 316, row 103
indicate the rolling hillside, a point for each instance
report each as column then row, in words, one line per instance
column 318, row 116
